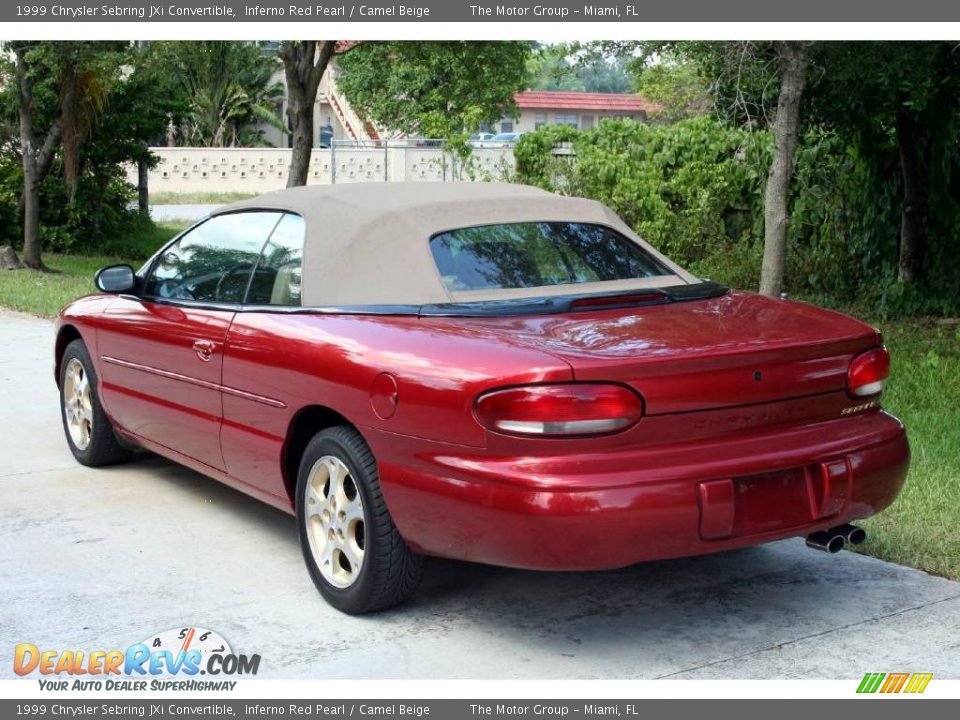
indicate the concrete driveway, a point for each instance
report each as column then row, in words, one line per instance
column 103, row 558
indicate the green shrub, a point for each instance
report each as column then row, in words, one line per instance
column 101, row 212
column 102, row 220
column 11, row 182
column 694, row 189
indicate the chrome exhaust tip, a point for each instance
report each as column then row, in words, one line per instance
column 826, row 541
column 851, row 533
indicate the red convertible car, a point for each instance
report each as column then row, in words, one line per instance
column 485, row 372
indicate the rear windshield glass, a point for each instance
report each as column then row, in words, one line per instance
column 538, row 254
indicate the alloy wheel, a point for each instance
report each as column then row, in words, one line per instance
column 78, row 404
column 335, row 523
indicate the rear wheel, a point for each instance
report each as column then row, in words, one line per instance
column 87, row 427
column 352, row 549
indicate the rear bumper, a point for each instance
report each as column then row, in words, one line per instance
column 582, row 512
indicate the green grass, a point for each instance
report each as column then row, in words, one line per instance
column 44, row 293
column 201, row 198
column 921, row 529
column 70, row 276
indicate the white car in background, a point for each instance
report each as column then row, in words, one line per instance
column 479, row 140
column 504, row 140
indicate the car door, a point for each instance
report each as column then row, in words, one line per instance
column 260, row 382
column 161, row 352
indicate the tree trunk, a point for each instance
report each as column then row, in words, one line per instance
column 143, row 186
column 36, row 162
column 793, row 69
column 300, row 112
column 911, row 228
column 69, row 111
column 31, row 218
column 304, row 63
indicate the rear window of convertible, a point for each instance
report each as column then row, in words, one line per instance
column 538, row 254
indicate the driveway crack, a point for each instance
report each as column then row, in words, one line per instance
column 21, row 473
column 794, row 641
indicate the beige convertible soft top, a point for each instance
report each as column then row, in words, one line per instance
column 368, row 243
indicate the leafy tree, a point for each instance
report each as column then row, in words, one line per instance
column 436, row 89
column 874, row 194
column 743, row 78
column 40, row 128
column 899, row 102
column 676, row 85
column 229, row 89
column 88, row 72
column 895, row 103
column 304, row 63
column 142, row 103
column 549, row 68
column 605, row 75
column 744, row 74
column 83, row 110
column 568, row 67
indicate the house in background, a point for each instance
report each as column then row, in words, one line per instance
column 581, row 110
column 362, row 156
column 335, row 119
column 333, row 116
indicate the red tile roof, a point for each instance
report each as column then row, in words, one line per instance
column 557, row 100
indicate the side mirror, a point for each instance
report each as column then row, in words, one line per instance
column 115, row 279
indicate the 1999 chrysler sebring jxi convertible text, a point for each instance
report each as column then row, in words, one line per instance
column 478, row 371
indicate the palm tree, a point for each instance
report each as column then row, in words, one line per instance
column 231, row 92
column 88, row 71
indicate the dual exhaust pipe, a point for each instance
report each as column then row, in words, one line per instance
column 835, row 539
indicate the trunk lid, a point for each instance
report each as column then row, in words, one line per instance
column 733, row 350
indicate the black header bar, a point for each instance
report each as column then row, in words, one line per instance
column 339, row 11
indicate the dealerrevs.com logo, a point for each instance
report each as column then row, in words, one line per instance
column 170, row 660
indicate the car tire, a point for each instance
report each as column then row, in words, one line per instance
column 89, row 432
column 355, row 556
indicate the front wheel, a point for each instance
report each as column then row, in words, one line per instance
column 87, row 427
column 352, row 549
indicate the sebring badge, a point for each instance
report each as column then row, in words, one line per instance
column 859, row 408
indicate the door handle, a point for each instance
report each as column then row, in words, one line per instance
column 204, row 349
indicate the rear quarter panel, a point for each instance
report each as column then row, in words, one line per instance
column 291, row 361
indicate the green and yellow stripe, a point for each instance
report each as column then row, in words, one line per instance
column 894, row 682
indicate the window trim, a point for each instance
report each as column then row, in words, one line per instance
column 145, row 271
column 303, row 244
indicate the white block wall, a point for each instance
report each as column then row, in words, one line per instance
column 259, row 170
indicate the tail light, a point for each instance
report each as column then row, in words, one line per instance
column 559, row 410
column 608, row 301
column 868, row 372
